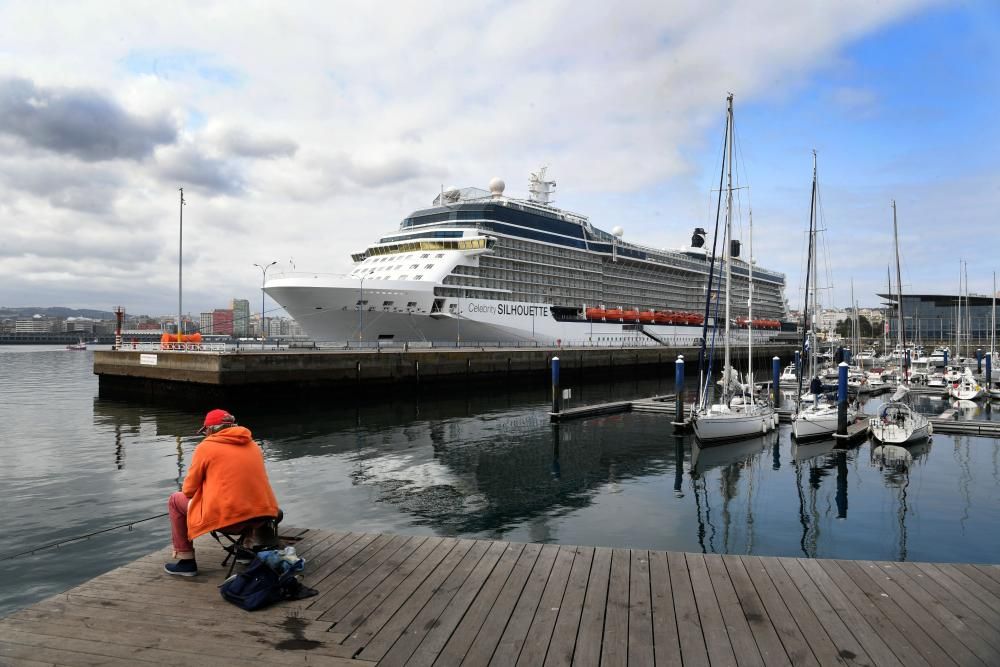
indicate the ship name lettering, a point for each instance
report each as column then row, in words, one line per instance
column 523, row 310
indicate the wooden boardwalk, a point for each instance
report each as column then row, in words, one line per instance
column 399, row 600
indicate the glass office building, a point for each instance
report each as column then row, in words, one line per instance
column 934, row 318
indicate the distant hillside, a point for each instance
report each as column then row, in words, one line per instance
column 56, row 311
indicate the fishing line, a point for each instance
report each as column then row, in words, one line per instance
column 79, row 538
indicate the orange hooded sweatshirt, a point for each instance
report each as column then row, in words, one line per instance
column 227, row 482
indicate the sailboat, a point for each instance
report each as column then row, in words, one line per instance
column 819, row 419
column 897, row 423
column 738, row 413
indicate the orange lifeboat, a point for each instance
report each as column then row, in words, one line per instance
column 631, row 315
column 596, row 314
column 662, row 318
column 614, row 314
column 741, row 322
column 695, row 318
column 647, row 317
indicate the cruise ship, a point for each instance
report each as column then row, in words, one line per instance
column 479, row 267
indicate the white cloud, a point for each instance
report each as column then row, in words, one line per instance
column 305, row 133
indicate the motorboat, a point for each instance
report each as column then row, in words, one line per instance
column 966, row 388
column 82, row 345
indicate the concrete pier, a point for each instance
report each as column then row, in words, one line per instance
column 165, row 374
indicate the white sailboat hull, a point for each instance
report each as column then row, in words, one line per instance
column 817, row 422
column 720, row 423
column 900, row 434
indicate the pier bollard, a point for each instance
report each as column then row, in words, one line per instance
column 679, row 390
column 842, row 398
column 979, row 360
column 775, row 381
column 556, row 392
column 798, row 365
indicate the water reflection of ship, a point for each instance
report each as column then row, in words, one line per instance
column 895, row 463
column 733, row 459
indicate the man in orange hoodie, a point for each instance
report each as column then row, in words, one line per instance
column 225, row 488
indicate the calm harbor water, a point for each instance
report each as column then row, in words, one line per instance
column 479, row 466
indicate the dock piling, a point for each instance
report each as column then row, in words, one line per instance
column 556, row 391
column 946, row 358
column 798, row 365
column 842, row 398
column 679, row 390
column 775, row 380
column 979, row 360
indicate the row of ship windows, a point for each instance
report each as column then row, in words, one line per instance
column 397, row 248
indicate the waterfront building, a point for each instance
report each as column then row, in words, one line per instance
column 241, row 317
column 222, row 321
column 35, row 324
column 205, row 323
column 934, row 317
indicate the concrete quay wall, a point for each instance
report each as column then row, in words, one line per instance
column 294, row 373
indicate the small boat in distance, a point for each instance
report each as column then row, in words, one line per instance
column 82, row 345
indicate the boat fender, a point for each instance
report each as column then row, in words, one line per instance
column 930, row 428
column 763, row 426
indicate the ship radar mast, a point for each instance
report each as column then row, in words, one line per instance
column 541, row 190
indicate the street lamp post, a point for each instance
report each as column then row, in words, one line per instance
column 263, row 279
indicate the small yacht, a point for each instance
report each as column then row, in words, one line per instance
column 938, row 358
column 967, row 388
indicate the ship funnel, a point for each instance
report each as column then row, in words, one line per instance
column 698, row 238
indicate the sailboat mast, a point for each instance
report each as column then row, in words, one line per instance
column 809, row 270
column 727, row 251
column 958, row 317
column 750, row 309
column 899, row 288
column 993, row 323
column 885, row 323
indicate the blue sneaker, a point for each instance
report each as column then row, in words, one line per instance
column 183, row 568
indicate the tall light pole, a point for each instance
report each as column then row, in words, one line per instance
column 180, row 264
column 263, row 279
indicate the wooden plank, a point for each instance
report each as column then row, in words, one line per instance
column 570, row 611
column 764, row 633
column 328, row 573
column 182, row 642
column 513, row 567
column 24, row 654
column 951, row 636
column 402, row 575
column 992, row 571
column 236, row 628
column 737, row 627
column 101, row 647
column 791, row 617
column 422, row 612
column 970, row 585
column 614, row 648
column 885, row 616
column 807, row 573
column 519, row 621
column 536, row 642
column 591, row 632
column 720, row 650
column 640, row 619
column 666, row 645
column 375, row 639
column 815, row 617
column 985, row 583
column 984, row 611
column 957, row 607
column 689, row 631
column 340, row 583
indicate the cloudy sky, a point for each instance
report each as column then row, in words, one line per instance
column 300, row 131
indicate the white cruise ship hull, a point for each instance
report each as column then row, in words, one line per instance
column 327, row 309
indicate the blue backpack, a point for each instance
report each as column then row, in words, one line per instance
column 259, row 586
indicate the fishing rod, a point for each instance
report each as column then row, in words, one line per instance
column 79, row 538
